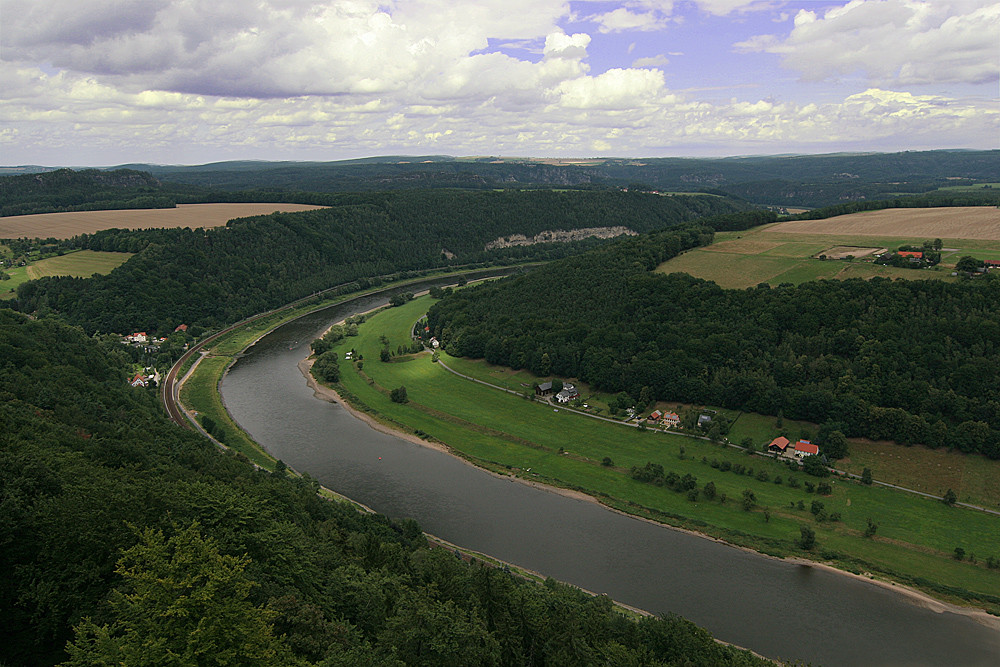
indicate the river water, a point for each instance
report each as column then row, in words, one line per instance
column 779, row 609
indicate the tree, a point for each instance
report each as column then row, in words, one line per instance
column 181, row 602
column 709, row 490
column 748, row 500
column 938, row 244
column 398, row 395
column 950, row 497
column 872, row 527
column 807, row 537
column 959, row 553
column 645, row 397
column 385, row 355
column 607, row 462
column 968, row 264
column 835, row 445
column 813, row 465
column 866, row 476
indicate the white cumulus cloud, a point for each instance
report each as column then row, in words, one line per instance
column 893, row 41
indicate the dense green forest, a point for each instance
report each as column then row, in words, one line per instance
column 127, row 540
column 90, row 190
column 796, row 180
column 213, row 276
column 911, row 361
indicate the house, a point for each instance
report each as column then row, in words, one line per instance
column 991, row 263
column 543, row 389
column 181, row 328
column 671, row 419
column 138, row 337
column 139, row 380
column 435, row 343
column 655, row 416
column 805, row 448
column 913, row 254
column 567, row 394
column 779, row 445
column 704, row 420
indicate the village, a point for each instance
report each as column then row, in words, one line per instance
column 150, row 351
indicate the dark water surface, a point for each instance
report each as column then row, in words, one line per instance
column 779, row 609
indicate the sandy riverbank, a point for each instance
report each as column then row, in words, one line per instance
column 915, row 596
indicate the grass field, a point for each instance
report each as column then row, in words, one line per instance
column 82, row 264
column 786, row 252
column 67, row 225
column 507, row 433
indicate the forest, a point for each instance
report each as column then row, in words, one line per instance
column 90, row 190
column 795, row 180
column 215, row 276
column 128, row 540
column 910, row 361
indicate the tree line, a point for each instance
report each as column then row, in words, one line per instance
column 910, row 361
column 129, row 540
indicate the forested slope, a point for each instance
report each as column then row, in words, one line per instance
column 89, row 190
column 912, row 361
column 158, row 549
column 221, row 275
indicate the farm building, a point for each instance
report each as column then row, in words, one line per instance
column 543, row 389
column 655, row 416
column 805, row 448
column 779, row 445
column 916, row 254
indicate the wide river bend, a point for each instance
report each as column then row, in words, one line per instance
column 779, row 609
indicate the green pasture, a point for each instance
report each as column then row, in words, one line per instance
column 508, row 433
column 747, row 258
column 80, row 264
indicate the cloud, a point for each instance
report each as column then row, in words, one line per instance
column 653, row 61
column 614, row 89
column 272, row 48
column 623, row 19
column 896, row 42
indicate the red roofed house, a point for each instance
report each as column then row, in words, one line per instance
column 911, row 253
column 671, row 419
column 991, row 263
column 655, row 417
column 138, row 381
column 181, row 327
column 805, row 448
column 779, row 445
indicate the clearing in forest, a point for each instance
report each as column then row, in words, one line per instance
column 68, row 225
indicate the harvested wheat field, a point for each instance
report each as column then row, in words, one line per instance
column 962, row 222
column 67, row 225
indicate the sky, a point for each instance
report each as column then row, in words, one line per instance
column 104, row 82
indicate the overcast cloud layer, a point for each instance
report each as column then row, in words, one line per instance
column 184, row 81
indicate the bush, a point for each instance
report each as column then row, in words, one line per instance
column 607, row 462
column 807, row 537
column 398, row 395
column 326, row 368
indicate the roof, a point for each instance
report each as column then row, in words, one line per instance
column 545, row 386
column 656, row 414
column 780, row 442
column 910, row 253
column 806, row 447
column 181, row 327
column 670, row 415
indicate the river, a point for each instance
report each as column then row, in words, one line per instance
column 779, row 609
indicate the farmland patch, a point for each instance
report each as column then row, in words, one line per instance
column 68, row 225
column 961, row 222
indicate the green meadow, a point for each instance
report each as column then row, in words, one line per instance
column 80, row 264
column 747, row 258
column 915, row 537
